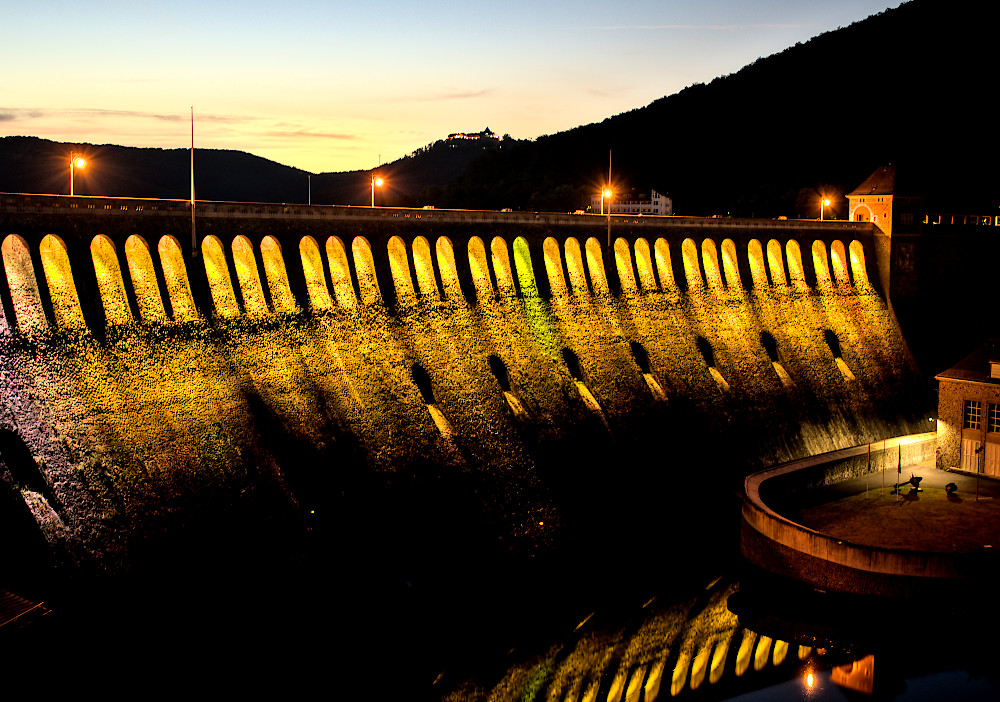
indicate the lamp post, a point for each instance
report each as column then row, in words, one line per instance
column 75, row 161
column 606, row 194
column 823, row 204
column 377, row 181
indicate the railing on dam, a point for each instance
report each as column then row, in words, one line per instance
column 67, row 266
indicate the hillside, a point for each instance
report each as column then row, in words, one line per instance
column 899, row 87
column 904, row 86
column 33, row 165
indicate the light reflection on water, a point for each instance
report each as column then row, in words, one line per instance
column 733, row 644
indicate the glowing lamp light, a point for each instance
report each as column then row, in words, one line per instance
column 606, row 194
column 377, row 182
column 75, row 161
column 824, row 203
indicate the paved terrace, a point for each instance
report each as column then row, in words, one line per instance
column 862, row 511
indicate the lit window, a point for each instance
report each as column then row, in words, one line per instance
column 972, row 414
column 993, row 420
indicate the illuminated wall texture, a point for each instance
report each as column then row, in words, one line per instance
column 149, row 387
column 695, row 645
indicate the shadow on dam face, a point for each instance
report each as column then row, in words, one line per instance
column 24, row 552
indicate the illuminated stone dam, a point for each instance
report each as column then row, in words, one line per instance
column 506, row 380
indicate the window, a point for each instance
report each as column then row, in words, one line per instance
column 993, row 420
column 972, row 414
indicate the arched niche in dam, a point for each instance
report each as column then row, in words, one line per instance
column 595, row 265
column 62, row 288
column 776, row 263
column 574, row 266
column 664, row 265
column 821, row 265
column 858, row 265
column 26, row 300
column 644, row 266
column 248, row 277
column 340, row 274
column 364, row 266
column 553, row 266
column 731, row 265
column 480, row 269
column 109, row 281
column 501, row 267
column 838, row 264
column 312, row 270
column 833, row 342
column 144, row 284
column 219, row 281
column 449, row 272
column 175, row 277
column 708, row 354
column 423, row 382
column 758, row 268
column 499, row 370
column 710, row 259
column 796, row 273
column 623, row 262
column 692, row 268
column 277, row 276
column 423, row 267
column 525, row 271
column 399, row 266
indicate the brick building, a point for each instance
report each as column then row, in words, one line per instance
column 968, row 432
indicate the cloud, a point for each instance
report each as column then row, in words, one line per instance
column 442, row 96
column 11, row 113
column 709, row 27
column 305, row 133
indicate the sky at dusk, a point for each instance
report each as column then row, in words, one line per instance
column 326, row 86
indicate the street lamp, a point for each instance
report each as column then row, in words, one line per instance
column 377, row 181
column 824, row 203
column 606, row 194
column 75, row 161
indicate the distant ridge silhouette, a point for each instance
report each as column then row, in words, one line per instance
column 907, row 86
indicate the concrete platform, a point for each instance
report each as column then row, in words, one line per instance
column 865, row 512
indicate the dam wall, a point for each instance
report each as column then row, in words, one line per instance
column 385, row 375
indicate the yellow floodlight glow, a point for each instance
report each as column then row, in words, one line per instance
column 377, row 182
column 75, row 161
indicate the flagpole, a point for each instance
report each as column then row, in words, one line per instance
column 194, row 238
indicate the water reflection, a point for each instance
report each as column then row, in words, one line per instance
column 748, row 637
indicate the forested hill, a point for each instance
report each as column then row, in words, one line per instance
column 33, row 165
column 910, row 86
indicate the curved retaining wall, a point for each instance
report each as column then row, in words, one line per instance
column 783, row 547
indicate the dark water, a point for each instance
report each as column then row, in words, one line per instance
column 385, row 604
